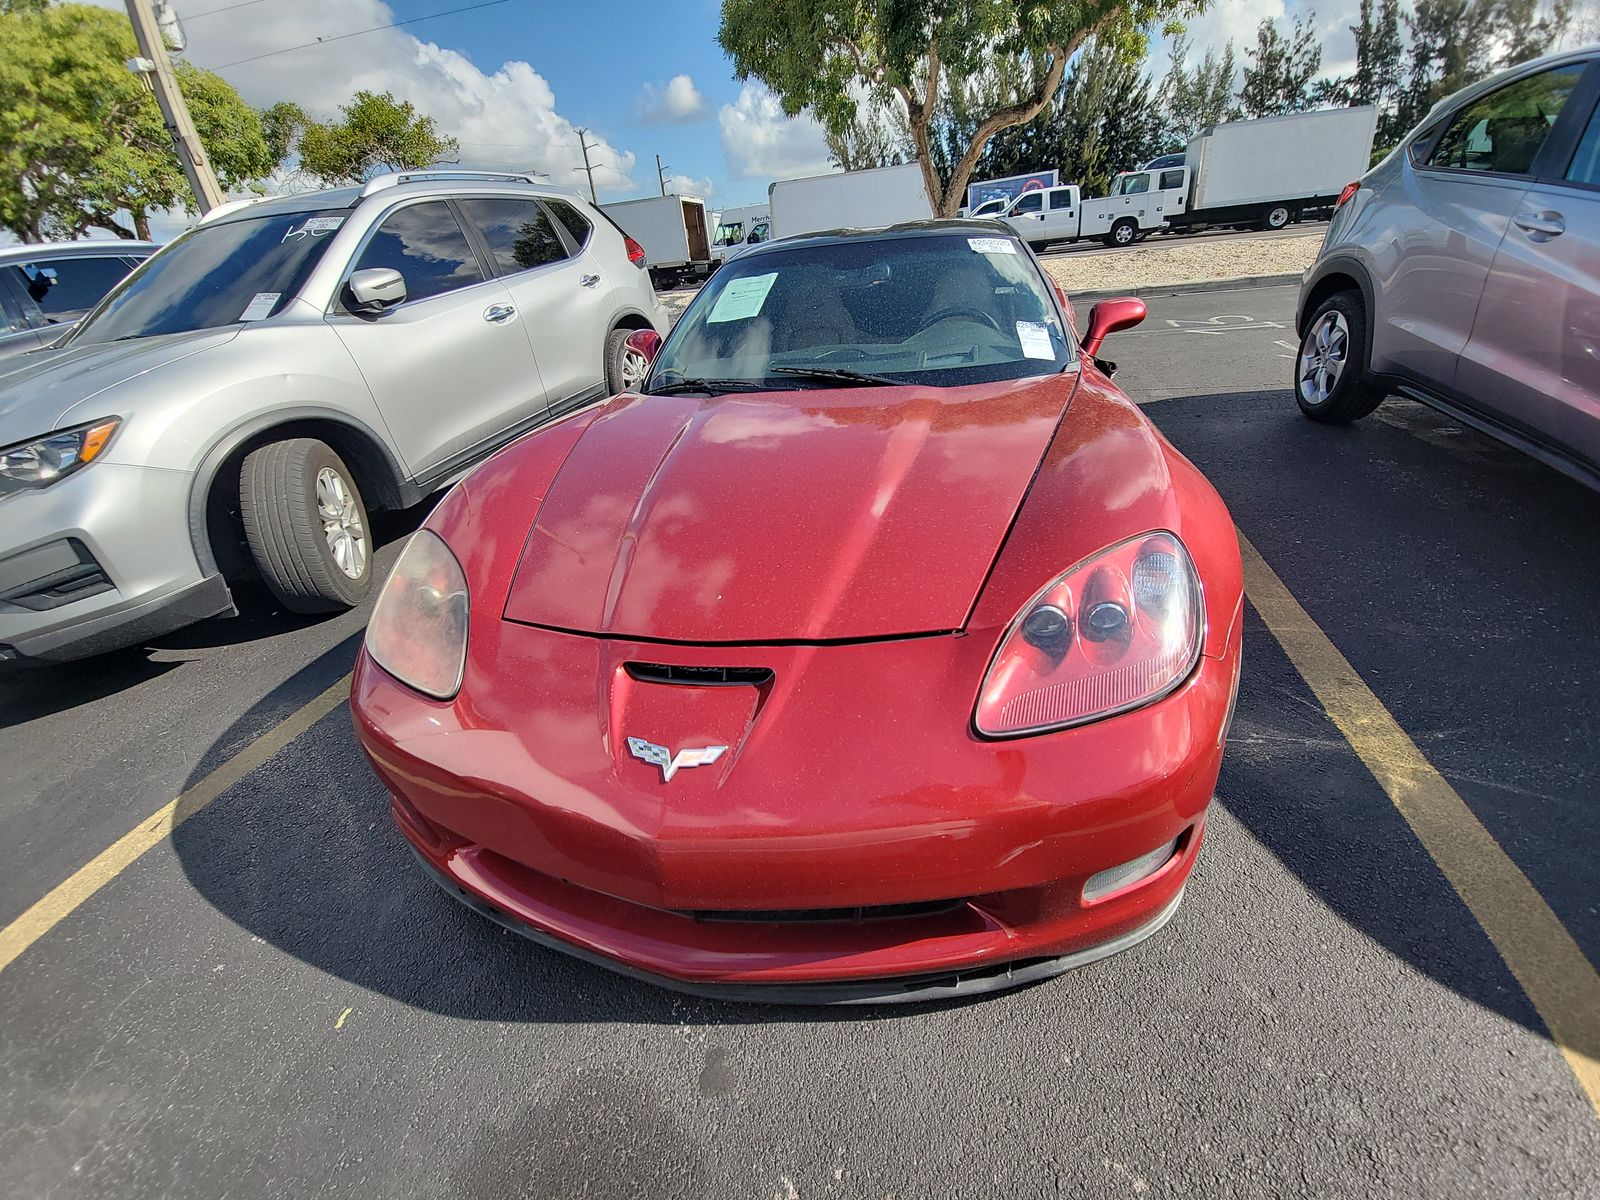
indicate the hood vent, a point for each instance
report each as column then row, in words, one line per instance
column 699, row 676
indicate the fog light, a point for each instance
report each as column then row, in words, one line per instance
column 1117, row 878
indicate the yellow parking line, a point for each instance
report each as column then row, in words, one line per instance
column 88, row 879
column 1552, row 969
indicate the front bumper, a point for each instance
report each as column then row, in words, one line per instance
column 100, row 560
column 832, row 850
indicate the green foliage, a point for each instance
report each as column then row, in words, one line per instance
column 374, row 133
column 1278, row 77
column 82, row 140
column 1105, row 119
column 1192, row 99
column 826, row 55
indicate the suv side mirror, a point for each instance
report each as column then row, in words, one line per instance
column 376, row 289
column 1109, row 316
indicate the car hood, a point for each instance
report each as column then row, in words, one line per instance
column 808, row 515
column 38, row 390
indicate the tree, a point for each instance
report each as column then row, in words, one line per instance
column 822, row 54
column 82, row 141
column 375, row 132
column 1193, row 99
column 876, row 138
column 1278, row 77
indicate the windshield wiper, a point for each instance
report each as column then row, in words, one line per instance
column 712, row 387
column 839, row 375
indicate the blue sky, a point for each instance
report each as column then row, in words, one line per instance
column 515, row 81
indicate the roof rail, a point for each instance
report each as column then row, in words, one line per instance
column 395, row 178
column 228, row 206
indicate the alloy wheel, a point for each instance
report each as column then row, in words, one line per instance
column 1324, row 353
column 341, row 522
column 634, row 368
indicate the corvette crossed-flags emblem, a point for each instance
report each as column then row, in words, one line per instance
column 670, row 763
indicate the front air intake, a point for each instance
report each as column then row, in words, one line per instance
column 699, row 676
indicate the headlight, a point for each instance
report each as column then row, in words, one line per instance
column 40, row 463
column 1119, row 630
column 418, row 631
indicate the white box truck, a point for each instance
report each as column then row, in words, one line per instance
column 849, row 200
column 672, row 230
column 1264, row 173
column 746, row 225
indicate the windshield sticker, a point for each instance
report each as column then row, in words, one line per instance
column 1035, row 339
column 260, row 307
column 992, row 245
column 742, row 298
column 315, row 226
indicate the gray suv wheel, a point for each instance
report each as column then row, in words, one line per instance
column 1330, row 379
column 306, row 525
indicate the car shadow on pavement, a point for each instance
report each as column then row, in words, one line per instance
column 31, row 692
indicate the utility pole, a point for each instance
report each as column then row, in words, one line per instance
column 661, row 174
column 185, row 139
column 587, row 168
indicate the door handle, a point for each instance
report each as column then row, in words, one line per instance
column 1541, row 225
column 589, row 280
column 499, row 313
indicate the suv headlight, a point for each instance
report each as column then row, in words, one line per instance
column 418, row 631
column 1118, row 631
column 39, row 463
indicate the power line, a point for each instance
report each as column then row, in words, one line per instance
column 358, row 33
column 225, row 8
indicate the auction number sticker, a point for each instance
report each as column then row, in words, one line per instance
column 742, row 298
column 992, row 245
column 1035, row 339
column 315, row 227
column 260, row 306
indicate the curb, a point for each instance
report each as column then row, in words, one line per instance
column 1198, row 285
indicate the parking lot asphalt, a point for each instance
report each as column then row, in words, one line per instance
column 274, row 1002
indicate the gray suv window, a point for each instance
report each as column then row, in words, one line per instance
column 575, row 223
column 425, row 244
column 1502, row 132
column 520, row 233
column 66, row 286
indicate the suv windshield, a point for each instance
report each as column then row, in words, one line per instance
column 944, row 309
column 241, row 270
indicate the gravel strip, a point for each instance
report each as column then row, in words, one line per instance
column 1199, row 262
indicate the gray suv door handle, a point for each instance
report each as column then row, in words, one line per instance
column 499, row 313
column 589, row 280
column 1541, row 225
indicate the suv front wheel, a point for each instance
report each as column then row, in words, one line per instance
column 1330, row 379
column 306, row 525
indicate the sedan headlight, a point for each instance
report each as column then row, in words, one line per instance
column 1119, row 630
column 418, row 631
column 39, row 463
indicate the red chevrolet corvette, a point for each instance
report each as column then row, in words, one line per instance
column 875, row 648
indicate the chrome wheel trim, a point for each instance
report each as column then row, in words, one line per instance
column 635, row 367
column 341, row 523
column 1278, row 217
column 1124, row 234
column 1324, row 354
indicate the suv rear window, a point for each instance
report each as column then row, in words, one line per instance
column 1501, row 133
column 571, row 220
column 519, row 232
column 241, row 270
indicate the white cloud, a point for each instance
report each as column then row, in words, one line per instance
column 677, row 102
column 689, row 185
column 760, row 141
column 504, row 119
column 1237, row 20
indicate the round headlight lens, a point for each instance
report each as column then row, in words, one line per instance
column 418, row 631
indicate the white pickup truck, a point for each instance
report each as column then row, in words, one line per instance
column 1264, row 173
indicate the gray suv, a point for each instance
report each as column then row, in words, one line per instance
column 247, row 394
column 45, row 289
column 1464, row 270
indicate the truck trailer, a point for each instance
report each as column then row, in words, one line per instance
column 849, row 200
column 746, row 225
column 1265, row 173
column 672, row 230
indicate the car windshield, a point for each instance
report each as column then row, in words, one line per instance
column 944, row 309
column 240, row 270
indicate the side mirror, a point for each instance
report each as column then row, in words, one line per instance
column 375, row 289
column 642, row 346
column 1109, row 316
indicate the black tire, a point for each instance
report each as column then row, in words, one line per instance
column 1038, row 247
column 1277, row 217
column 289, row 534
column 617, row 368
column 1352, row 394
column 1123, row 232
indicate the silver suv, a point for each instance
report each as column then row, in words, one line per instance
column 252, row 389
column 1464, row 270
